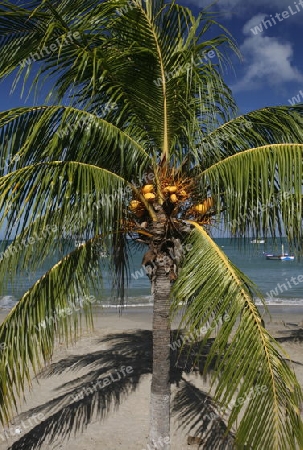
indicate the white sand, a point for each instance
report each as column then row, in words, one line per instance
column 49, row 415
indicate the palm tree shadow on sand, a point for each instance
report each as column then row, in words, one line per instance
column 83, row 400
column 293, row 333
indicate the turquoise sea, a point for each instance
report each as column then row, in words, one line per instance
column 281, row 282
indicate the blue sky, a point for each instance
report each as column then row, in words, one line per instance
column 271, row 72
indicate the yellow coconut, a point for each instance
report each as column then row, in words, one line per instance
column 134, row 205
column 170, row 189
column 149, row 197
column 137, row 207
column 201, row 208
column 209, row 202
column 147, row 189
column 182, row 193
column 173, row 198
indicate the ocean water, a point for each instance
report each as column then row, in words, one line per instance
column 281, row 282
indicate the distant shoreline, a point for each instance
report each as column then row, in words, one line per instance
column 148, row 308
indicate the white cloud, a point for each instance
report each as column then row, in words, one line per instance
column 267, row 60
column 239, row 7
column 255, row 20
column 247, row 4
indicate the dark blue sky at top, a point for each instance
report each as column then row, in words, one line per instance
column 271, row 71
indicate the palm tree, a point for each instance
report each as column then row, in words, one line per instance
column 139, row 139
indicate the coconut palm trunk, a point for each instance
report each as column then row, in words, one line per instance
column 160, row 388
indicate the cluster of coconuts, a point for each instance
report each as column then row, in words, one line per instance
column 170, row 191
column 138, row 207
column 148, row 193
column 174, row 193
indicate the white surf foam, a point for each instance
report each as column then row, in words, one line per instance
column 7, row 302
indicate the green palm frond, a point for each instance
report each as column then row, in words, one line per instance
column 41, row 25
column 48, row 310
column 44, row 238
column 170, row 67
column 20, row 255
column 268, row 197
column 269, row 125
column 67, row 186
column 18, row 35
column 251, row 374
column 63, row 199
column 59, row 199
column 33, row 135
column 120, row 257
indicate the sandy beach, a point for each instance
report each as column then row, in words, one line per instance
column 66, row 409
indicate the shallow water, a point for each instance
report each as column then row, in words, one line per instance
column 281, row 282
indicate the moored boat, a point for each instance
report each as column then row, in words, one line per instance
column 282, row 257
column 258, row 241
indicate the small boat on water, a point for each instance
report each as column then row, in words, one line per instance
column 282, row 257
column 258, row 241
